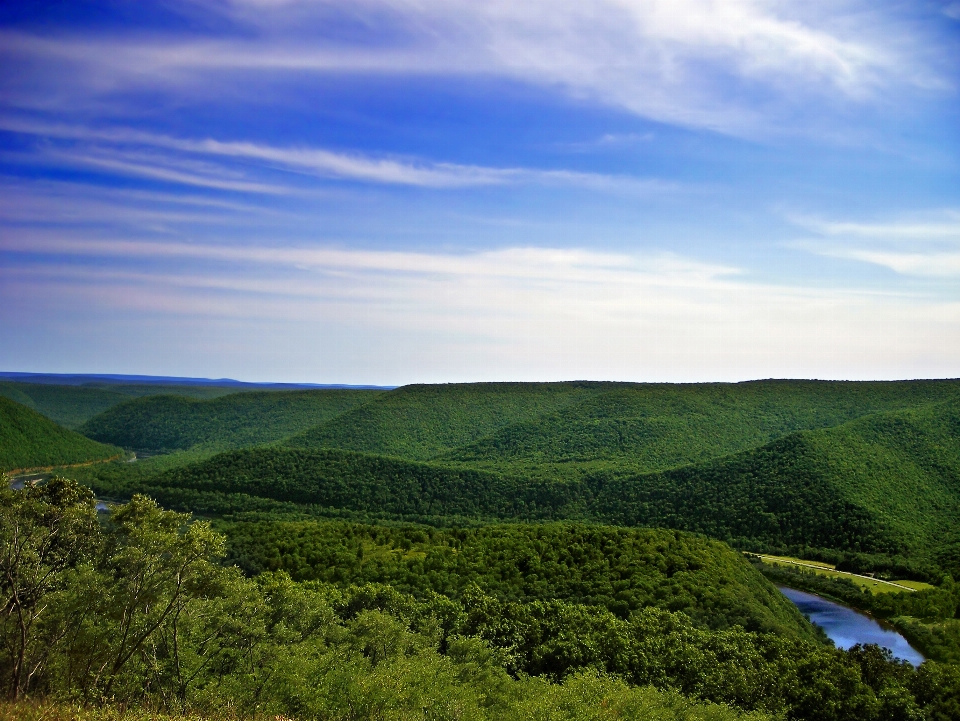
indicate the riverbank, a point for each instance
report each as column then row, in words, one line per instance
column 848, row 627
column 926, row 619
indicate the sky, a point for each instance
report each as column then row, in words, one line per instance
column 397, row 191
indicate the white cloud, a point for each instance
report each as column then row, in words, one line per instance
column 516, row 313
column 918, row 247
column 680, row 61
column 120, row 158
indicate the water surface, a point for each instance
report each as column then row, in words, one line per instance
column 847, row 627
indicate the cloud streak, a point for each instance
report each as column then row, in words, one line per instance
column 922, row 248
column 319, row 162
column 506, row 314
column 687, row 62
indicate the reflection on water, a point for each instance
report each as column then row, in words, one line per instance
column 846, row 627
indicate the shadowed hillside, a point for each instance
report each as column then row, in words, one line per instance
column 567, row 429
column 886, row 483
column 72, row 405
column 31, row 440
column 170, row 422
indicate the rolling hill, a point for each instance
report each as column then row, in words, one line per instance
column 419, row 422
column 622, row 570
column 71, row 405
column 31, row 440
column 172, row 422
column 885, row 483
column 563, row 430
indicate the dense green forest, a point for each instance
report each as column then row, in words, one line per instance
column 644, row 428
column 171, row 422
column 30, row 440
column 136, row 609
column 622, row 570
column 503, row 550
column 886, row 484
column 551, row 428
column 72, row 405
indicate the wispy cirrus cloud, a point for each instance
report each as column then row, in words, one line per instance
column 739, row 66
column 117, row 150
column 921, row 247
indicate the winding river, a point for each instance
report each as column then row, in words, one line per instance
column 847, row 627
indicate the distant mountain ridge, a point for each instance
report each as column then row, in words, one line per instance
column 76, row 379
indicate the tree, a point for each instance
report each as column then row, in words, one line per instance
column 46, row 531
column 155, row 564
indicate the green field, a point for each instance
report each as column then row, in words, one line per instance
column 827, row 570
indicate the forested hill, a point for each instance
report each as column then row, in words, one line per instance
column 567, row 429
column 620, row 569
column 886, row 483
column 173, row 422
column 72, row 405
column 422, row 421
column 639, row 429
column 31, row 440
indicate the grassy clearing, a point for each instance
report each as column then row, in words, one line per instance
column 874, row 585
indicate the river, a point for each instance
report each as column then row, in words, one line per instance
column 847, row 627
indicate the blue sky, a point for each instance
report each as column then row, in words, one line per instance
column 395, row 191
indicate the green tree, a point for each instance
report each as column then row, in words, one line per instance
column 46, row 532
column 155, row 565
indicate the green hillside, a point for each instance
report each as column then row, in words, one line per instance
column 69, row 406
column 31, row 440
column 72, row 405
column 887, row 483
column 622, row 570
column 171, row 422
column 564, row 430
column 642, row 428
column 422, row 421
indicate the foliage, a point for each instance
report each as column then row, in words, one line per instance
column 809, row 490
column 29, row 440
column 620, row 569
column 144, row 618
column 640, row 428
column 168, row 422
column 421, row 421
column 72, row 405
column 554, row 429
column 45, row 532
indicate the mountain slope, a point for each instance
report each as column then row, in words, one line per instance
column 69, row 406
column 888, row 483
column 31, row 440
column 566, row 429
column 421, row 421
column 643, row 428
column 169, row 422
